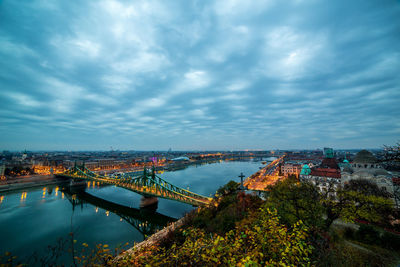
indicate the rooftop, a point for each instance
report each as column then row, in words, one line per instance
column 330, row 163
column 326, row 172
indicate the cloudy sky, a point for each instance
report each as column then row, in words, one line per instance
column 154, row 75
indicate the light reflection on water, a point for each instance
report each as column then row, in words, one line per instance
column 28, row 224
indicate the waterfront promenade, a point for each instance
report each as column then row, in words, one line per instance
column 266, row 176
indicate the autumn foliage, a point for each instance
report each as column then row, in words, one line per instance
column 285, row 229
column 259, row 239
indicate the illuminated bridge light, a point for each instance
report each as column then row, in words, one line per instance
column 56, row 191
column 1, row 199
column 107, row 213
column 96, row 209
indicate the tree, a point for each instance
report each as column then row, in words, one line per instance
column 228, row 188
column 7, row 172
column 366, row 187
column 258, row 240
column 296, row 201
column 226, row 211
column 360, row 199
column 357, row 200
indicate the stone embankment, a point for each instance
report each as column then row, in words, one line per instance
column 152, row 240
column 28, row 182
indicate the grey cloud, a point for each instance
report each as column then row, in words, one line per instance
column 198, row 75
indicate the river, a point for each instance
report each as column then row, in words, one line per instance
column 31, row 220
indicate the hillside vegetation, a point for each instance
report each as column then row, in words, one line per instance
column 288, row 228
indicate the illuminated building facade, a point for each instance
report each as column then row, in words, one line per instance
column 290, row 169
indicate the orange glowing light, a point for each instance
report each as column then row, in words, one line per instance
column 23, row 196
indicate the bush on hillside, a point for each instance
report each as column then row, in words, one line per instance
column 391, row 241
column 228, row 189
column 368, row 234
column 259, row 239
column 349, row 233
column 221, row 218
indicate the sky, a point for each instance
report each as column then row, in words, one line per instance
column 198, row 75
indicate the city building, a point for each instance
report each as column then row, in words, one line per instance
column 91, row 165
column 329, row 174
column 366, row 166
column 2, row 170
column 290, row 169
column 106, row 163
column 326, row 176
column 328, row 152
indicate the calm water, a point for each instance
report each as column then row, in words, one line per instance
column 31, row 220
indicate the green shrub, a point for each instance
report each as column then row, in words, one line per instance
column 258, row 240
column 349, row 233
column 347, row 255
column 368, row 234
column 228, row 188
column 222, row 217
column 390, row 240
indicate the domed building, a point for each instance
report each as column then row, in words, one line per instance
column 366, row 166
column 305, row 170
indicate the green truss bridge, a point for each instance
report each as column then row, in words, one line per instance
column 147, row 184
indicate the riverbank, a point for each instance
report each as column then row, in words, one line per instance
column 26, row 182
column 153, row 240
